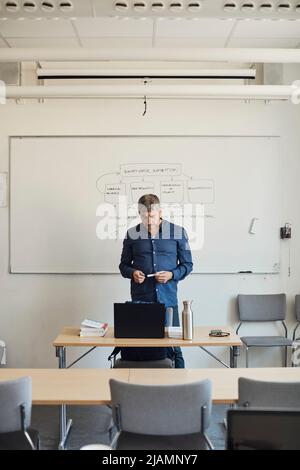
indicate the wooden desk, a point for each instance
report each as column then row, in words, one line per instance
column 91, row 386
column 69, row 337
column 224, row 381
column 69, row 386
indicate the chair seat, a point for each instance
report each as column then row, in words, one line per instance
column 132, row 441
column 160, row 364
column 265, row 341
column 17, row 440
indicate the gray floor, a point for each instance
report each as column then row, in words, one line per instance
column 91, row 422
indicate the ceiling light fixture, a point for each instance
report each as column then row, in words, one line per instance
column 176, row 7
column 284, row 7
column 230, row 6
column 139, row 6
column 29, row 6
column 121, row 6
column 66, row 6
column 248, row 7
column 47, row 6
column 266, row 7
column 12, row 6
column 157, row 6
column 194, row 7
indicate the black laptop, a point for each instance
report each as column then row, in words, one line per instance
column 139, row 320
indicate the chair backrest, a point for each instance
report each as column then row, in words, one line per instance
column 267, row 307
column 161, row 409
column 261, row 394
column 257, row 429
column 158, row 364
column 297, row 305
column 15, row 394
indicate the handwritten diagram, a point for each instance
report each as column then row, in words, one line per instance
column 167, row 180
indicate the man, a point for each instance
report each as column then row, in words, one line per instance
column 158, row 247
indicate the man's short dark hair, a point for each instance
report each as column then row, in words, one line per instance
column 147, row 201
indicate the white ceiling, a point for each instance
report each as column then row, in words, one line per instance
column 149, row 32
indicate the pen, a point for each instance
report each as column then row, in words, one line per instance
column 151, row 275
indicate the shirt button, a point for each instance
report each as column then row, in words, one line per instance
column 154, row 252
column 156, row 290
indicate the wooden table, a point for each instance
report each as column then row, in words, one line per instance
column 224, row 381
column 69, row 337
column 91, row 386
column 68, row 386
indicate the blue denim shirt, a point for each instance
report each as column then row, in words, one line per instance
column 168, row 251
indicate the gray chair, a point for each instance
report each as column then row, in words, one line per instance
column 125, row 364
column 263, row 394
column 160, row 364
column 263, row 308
column 161, row 416
column 15, row 415
column 297, row 308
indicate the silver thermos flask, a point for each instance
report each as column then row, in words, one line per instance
column 187, row 320
column 169, row 319
column 169, row 316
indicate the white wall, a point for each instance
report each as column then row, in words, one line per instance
column 33, row 308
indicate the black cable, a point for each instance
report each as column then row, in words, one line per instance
column 145, row 104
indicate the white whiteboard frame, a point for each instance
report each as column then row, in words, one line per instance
column 131, row 136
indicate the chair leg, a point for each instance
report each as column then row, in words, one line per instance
column 208, row 442
column 114, row 441
column 247, row 357
column 29, row 440
column 286, row 356
column 293, row 355
column 231, row 406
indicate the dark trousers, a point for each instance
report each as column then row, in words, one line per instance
column 175, row 354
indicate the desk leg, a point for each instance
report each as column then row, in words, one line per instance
column 64, row 424
column 234, row 354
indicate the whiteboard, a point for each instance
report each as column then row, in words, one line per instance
column 58, row 184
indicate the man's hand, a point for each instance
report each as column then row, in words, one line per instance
column 138, row 277
column 163, row 276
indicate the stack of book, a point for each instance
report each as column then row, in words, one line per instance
column 93, row 328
